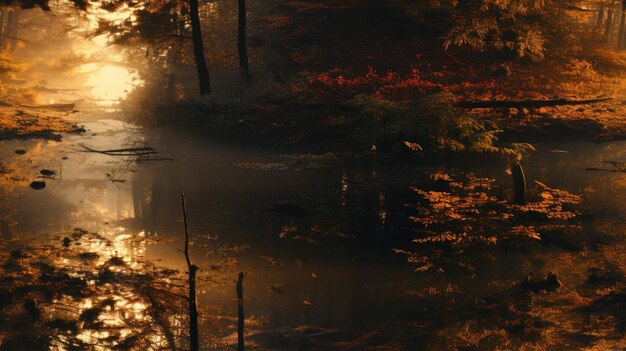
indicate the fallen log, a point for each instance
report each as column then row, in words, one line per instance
column 526, row 103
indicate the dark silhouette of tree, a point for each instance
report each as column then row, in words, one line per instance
column 198, row 49
column 241, row 42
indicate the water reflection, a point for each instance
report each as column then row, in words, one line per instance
column 317, row 273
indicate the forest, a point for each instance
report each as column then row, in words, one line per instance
column 309, row 175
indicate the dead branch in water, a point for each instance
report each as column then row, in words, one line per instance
column 526, row 103
column 191, row 270
column 618, row 166
column 137, row 151
column 240, row 316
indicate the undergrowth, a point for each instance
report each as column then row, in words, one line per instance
column 470, row 213
column 432, row 122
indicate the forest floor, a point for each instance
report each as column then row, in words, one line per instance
column 34, row 122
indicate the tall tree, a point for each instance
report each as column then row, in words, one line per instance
column 600, row 18
column 198, row 49
column 14, row 30
column 8, row 31
column 608, row 29
column 242, row 45
column 620, row 37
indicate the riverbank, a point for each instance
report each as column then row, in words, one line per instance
column 35, row 122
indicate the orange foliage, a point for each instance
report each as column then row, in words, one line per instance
column 469, row 213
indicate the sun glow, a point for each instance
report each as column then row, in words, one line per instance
column 110, row 83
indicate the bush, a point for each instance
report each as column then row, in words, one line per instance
column 432, row 122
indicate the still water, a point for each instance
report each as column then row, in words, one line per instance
column 316, row 236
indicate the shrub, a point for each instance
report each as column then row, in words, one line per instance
column 432, row 122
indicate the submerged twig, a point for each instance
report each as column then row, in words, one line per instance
column 240, row 316
column 137, row 151
column 619, row 166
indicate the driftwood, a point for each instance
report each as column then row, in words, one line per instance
column 527, row 103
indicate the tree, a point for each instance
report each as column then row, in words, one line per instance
column 198, row 49
column 241, row 41
column 620, row 37
column 524, row 29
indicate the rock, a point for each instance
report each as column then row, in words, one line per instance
column 47, row 172
column 20, row 151
column 66, row 242
column 38, row 185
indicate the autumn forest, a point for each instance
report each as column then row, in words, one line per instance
column 309, row 175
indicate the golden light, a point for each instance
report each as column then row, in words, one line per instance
column 110, row 83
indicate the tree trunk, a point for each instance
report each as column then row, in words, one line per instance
column 13, row 34
column 2, row 15
column 181, row 23
column 192, row 269
column 240, row 317
column 8, row 30
column 198, row 49
column 242, row 45
column 193, row 310
column 620, row 38
column 600, row 17
column 622, row 43
column 519, row 184
column 608, row 29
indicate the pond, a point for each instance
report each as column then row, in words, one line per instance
column 315, row 234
